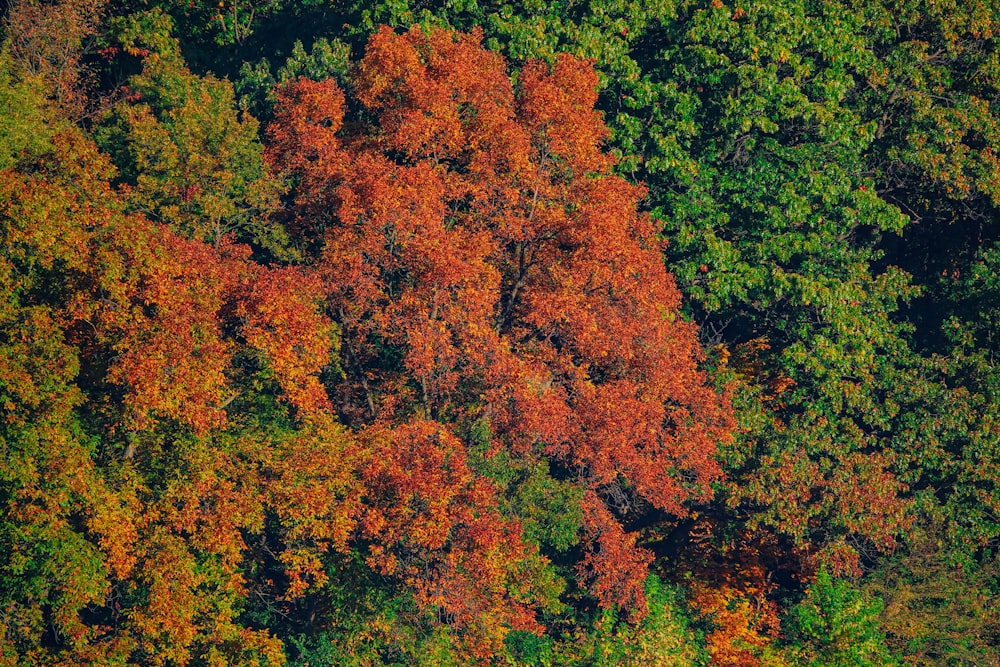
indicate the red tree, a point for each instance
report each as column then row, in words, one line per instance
column 485, row 264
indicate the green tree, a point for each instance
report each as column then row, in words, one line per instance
column 188, row 157
column 836, row 625
column 940, row 604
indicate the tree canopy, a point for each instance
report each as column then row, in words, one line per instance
column 501, row 332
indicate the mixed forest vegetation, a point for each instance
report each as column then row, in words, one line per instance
column 512, row 332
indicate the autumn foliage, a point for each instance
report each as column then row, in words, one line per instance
column 503, row 333
column 494, row 294
column 484, row 264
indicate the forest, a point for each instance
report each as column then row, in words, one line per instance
column 372, row 333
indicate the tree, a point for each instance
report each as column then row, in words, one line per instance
column 837, row 625
column 126, row 500
column 191, row 160
column 487, row 269
column 787, row 148
column 940, row 604
column 50, row 41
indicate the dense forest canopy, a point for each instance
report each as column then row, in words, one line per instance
column 500, row 333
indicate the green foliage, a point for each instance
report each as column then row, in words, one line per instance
column 24, row 129
column 759, row 177
column 948, row 437
column 935, row 100
column 363, row 623
column 836, row 625
column 548, row 508
column 941, row 607
column 664, row 638
column 191, row 160
column 225, row 23
column 328, row 59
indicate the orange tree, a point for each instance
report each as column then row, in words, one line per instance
column 505, row 314
column 127, row 490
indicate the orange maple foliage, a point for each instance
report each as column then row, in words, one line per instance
column 280, row 316
column 172, row 315
column 483, row 262
column 733, row 588
column 436, row 525
column 142, row 555
column 744, row 623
